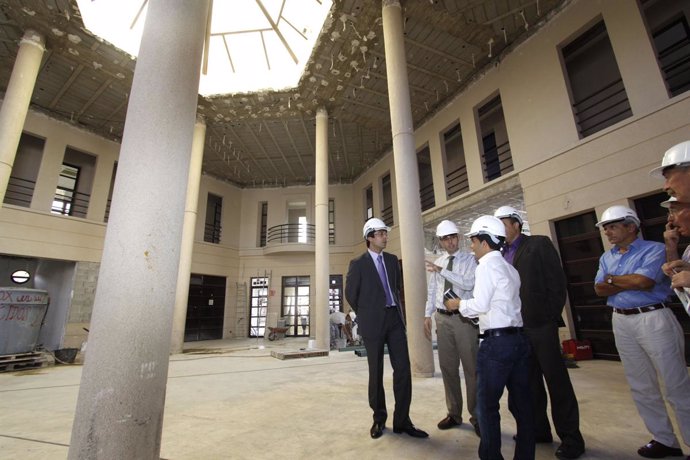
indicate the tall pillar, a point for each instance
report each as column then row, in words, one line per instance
column 190, row 215
column 407, row 190
column 321, row 252
column 17, row 100
column 122, row 393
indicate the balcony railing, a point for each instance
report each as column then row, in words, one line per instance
column 456, row 182
column 291, row 233
column 602, row 108
column 70, row 203
column 19, row 191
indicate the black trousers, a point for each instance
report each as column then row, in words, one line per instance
column 392, row 334
column 547, row 365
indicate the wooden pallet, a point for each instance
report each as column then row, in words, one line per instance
column 22, row 361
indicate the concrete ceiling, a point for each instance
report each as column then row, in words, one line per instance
column 267, row 139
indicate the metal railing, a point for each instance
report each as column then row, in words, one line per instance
column 497, row 162
column 675, row 63
column 457, row 182
column 212, row 233
column 295, row 233
column 71, row 203
column 426, row 197
column 602, row 108
column 19, row 191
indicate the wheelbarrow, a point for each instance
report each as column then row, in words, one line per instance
column 276, row 333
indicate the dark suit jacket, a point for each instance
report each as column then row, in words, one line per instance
column 364, row 291
column 543, row 283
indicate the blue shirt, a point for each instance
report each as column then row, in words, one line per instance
column 643, row 258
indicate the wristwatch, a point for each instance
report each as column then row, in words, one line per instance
column 609, row 279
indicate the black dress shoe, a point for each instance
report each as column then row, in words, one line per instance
column 448, row 423
column 654, row 449
column 568, row 451
column 377, row 429
column 476, row 430
column 412, row 431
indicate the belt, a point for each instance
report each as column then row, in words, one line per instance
column 500, row 331
column 637, row 310
column 448, row 312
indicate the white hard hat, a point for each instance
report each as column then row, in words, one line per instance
column 667, row 204
column 618, row 213
column 488, row 225
column 445, row 228
column 678, row 155
column 508, row 211
column 372, row 225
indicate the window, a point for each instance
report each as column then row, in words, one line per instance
column 331, row 221
column 496, row 155
column 668, row 25
column 426, row 180
column 22, row 181
column 335, row 293
column 298, row 230
column 75, row 181
column 368, row 203
column 65, row 193
column 597, row 93
column 455, row 168
column 258, row 309
column 296, row 305
column 387, row 208
column 263, row 223
column 212, row 227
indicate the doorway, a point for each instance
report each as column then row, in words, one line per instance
column 205, row 308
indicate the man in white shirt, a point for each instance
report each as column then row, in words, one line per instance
column 504, row 353
column 456, row 336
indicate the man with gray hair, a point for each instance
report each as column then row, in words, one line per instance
column 648, row 336
column 456, row 336
column 675, row 170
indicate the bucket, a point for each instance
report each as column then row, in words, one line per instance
column 21, row 316
column 311, row 344
column 66, row 355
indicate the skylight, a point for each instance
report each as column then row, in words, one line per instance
column 254, row 45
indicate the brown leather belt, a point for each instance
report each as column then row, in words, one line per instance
column 637, row 310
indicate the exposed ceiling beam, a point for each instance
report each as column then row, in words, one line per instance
column 270, row 134
column 66, row 86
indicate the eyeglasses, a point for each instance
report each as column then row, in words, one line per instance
column 677, row 209
column 448, row 237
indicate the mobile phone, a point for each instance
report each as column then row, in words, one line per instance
column 449, row 294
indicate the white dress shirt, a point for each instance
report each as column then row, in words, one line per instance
column 496, row 292
column 461, row 276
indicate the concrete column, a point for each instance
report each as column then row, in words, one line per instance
column 407, row 190
column 321, row 259
column 190, row 217
column 17, row 100
column 121, row 399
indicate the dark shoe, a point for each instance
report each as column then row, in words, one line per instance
column 566, row 451
column 539, row 439
column 654, row 449
column 476, row 430
column 448, row 423
column 412, row 431
column 377, row 430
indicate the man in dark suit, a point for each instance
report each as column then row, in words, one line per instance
column 373, row 291
column 543, row 294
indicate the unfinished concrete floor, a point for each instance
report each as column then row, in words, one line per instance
column 232, row 400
